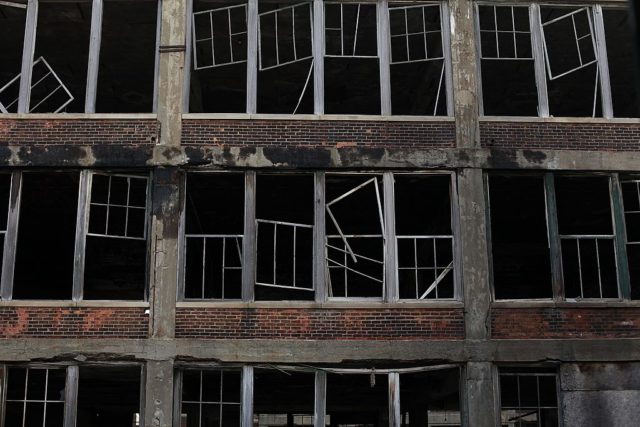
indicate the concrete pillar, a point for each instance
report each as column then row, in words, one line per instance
column 479, row 395
column 465, row 81
column 158, row 410
column 171, row 70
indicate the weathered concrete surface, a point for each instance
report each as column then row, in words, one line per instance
column 159, row 394
column 600, row 376
column 479, row 394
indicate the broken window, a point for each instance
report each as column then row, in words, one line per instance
column 213, row 236
column 12, row 19
column 126, row 72
column 351, row 63
column 519, row 237
column 35, row 397
column 116, row 241
column 418, row 65
column 355, row 243
column 219, row 56
column 46, row 235
column 424, row 236
column 631, row 201
column 284, row 234
column 528, row 397
column 108, row 396
column 557, row 60
column 357, row 399
column 285, row 58
column 283, row 398
column 587, row 237
column 623, row 72
column 505, row 50
column 430, row 398
column 210, row 398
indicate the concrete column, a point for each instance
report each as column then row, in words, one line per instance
column 479, row 395
column 464, row 67
column 158, row 410
column 475, row 259
column 171, row 70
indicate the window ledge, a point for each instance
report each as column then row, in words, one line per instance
column 66, row 303
column 530, row 119
column 591, row 303
column 323, row 305
column 315, row 117
column 79, row 116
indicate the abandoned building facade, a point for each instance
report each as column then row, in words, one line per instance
column 319, row 213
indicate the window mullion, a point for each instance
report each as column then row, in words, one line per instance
column 620, row 241
column 249, row 239
column 390, row 256
column 71, row 396
column 247, row 397
column 11, row 237
column 94, row 56
column 603, row 63
column 394, row 400
column 82, row 226
column 555, row 247
column 384, row 48
column 252, row 54
column 318, row 56
column 320, row 399
column 535, row 24
column 28, row 50
column 319, row 262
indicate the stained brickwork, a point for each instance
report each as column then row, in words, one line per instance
column 319, row 324
column 561, row 136
column 73, row 322
column 76, row 131
column 549, row 322
column 331, row 133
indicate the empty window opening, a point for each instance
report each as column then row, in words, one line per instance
column 519, row 237
column 352, row 80
column 430, row 398
column 127, row 57
column 528, row 398
column 571, row 59
column 219, row 56
column 214, row 227
column 116, row 245
column 355, row 243
column 586, row 234
column 505, row 49
column 12, row 21
column 211, row 398
column 284, row 224
column 35, row 397
column 631, row 201
column 283, row 398
column 623, row 71
column 418, row 74
column 424, row 236
column 285, row 58
column 357, row 400
column 63, row 41
column 108, row 396
column 46, row 236
column 5, row 199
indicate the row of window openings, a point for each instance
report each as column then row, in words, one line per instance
column 270, row 396
column 382, row 236
column 561, row 61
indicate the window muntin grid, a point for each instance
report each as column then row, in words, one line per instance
column 502, row 36
column 528, row 407
column 232, row 48
column 34, row 399
column 415, row 40
column 212, row 405
column 342, row 41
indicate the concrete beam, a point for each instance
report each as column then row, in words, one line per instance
column 320, row 351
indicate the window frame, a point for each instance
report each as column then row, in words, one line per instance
column 539, row 55
column 81, row 232
column 320, row 273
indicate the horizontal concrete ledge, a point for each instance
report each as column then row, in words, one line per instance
column 210, row 157
column 315, row 117
column 298, row 351
column 350, row 305
column 79, row 116
column 532, row 119
column 604, row 304
column 65, row 303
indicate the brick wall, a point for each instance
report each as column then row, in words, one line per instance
column 73, row 322
column 319, row 324
column 540, row 323
column 567, row 136
column 78, row 131
column 340, row 133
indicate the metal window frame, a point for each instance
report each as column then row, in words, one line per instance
column 95, row 39
column 542, row 69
